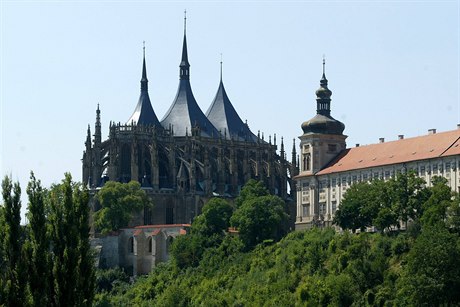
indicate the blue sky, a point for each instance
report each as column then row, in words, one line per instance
column 393, row 68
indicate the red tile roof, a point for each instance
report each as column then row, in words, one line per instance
column 441, row 144
column 157, row 231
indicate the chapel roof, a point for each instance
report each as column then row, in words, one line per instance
column 433, row 145
column 143, row 113
column 184, row 114
column 224, row 117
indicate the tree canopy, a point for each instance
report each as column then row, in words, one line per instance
column 119, row 201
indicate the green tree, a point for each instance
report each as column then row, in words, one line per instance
column 214, row 219
column 38, row 244
column 434, row 210
column 187, row 250
column 72, row 264
column 119, row 201
column 432, row 274
column 15, row 278
column 251, row 189
column 359, row 206
column 259, row 218
column 408, row 193
column 2, row 257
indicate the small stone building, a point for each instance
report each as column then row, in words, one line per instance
column 138, row 249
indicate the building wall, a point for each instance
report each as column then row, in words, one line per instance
column 138, row 250
column 318, row 197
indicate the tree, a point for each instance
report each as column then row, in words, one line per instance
column 119, row 201
column 432, row 274
column 38, row 244
column 15, row 278
column 259, row 218
column 72, row 263
column 214, row 219
column 434, row 210
column 358, row 208
column 251, row 189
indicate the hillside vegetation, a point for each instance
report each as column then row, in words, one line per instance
column 319, row 267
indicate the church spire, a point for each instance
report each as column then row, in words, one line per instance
column 184, row 64
column 97, row 132
column 144, row 80
column 323, row 95
column 221, row 68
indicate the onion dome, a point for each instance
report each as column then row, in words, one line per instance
column 323, row 122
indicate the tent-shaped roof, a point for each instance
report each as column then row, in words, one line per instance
column 144, row 114
column 224, row 117
column 184, row 113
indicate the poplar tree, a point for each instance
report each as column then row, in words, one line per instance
column 38, row 244
column 72, row 263
column 14, row 278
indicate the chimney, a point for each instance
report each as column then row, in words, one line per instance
column 401, row 137
column 431, row 131
column 458, row 126
column 381, row 140
column 357, row 145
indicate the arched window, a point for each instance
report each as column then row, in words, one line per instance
column 150, row 244
column 131, row 244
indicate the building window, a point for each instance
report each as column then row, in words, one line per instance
column 422, row 170
column 305, row 210
column 131, row 245
column 365, row 177
column 334, row 207
column 376, row 175
column 306, row 162
column 150, row 245
column 387, row 174
column 169, row 215
column 322, row 208
column 435, row 168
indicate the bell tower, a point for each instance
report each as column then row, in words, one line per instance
column 323, row 136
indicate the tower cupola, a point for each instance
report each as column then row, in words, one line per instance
column 323, row 122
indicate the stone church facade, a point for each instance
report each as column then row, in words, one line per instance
column 188, row 156
column 328, row 168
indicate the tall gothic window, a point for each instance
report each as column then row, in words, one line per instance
column 306, row 162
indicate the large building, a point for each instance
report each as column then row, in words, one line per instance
column 328, row 168
column 188, row 156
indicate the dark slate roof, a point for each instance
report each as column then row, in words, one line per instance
column 185, row 113
column 144, row 114
column 224, row 117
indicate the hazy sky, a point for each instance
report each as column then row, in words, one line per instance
column 393, row 68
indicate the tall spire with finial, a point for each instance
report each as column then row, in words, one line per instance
column 323, row 94
column 221, row 67
column 144, row 114
column 97, row 132
column 144, row 80
column 184, row 64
